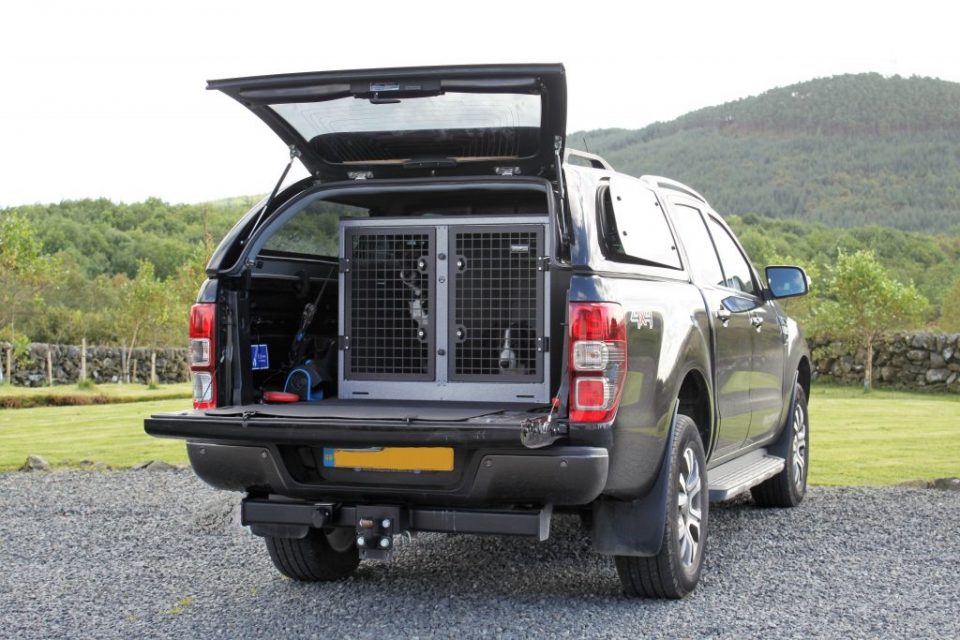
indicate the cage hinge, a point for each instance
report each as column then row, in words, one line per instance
column 543, row 343
column 343, row 343
column 344, row 265
column 543, row 263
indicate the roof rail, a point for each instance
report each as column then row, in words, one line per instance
column 667, row 183
column 595, row 161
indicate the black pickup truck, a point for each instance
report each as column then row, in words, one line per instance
column 456, row 324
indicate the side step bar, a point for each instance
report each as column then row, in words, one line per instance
column 736, row 476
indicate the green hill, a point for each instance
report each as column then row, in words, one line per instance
column 842, row 163
column 104, row 237
column 846, row 151
column 932, row 262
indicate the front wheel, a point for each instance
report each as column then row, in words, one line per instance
column 322, row 556
column 787, row 488
column 675, row 570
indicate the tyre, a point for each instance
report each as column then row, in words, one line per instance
column 322, row 556
column 675, row 571
column 787, row 488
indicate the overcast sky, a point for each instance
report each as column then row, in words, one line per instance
column 108, row 99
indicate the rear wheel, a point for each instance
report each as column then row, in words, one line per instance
column 322, row 556
column 787, row 488
column 675, row 570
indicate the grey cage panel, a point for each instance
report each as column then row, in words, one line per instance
column 408, row 285
column 389, row 303
column 496, row 303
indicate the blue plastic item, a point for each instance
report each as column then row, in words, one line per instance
column 305, row 382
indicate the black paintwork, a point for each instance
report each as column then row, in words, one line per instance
column 485, row 474
column 745, row 367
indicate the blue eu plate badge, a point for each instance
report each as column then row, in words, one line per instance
column 261, row 359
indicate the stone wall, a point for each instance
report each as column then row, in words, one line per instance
column 926, row 361
column 921, row 361
column 103, row 365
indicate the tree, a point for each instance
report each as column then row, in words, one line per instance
column 187, row 280
column 24, row 273
column 863, row 302
column 144, row 314
column 950, row 310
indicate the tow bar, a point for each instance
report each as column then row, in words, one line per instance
column 376, row 525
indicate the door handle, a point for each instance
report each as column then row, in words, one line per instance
column 756, row 321
column 723, row 315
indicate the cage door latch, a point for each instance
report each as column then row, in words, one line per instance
column 543, row 343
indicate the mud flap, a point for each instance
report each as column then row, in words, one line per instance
column 781, row 446
column 635, row 527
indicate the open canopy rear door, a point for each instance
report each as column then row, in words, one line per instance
column 407, row 122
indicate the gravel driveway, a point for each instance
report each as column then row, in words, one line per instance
column 141, row 554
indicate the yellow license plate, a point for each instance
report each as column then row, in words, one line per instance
column 391, row 458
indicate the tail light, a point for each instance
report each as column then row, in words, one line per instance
column 202, row 354
column 597, row 360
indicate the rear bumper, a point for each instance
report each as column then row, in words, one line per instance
column 560, row 476
column 490, row 469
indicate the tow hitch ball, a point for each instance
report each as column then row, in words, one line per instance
column 376, row 527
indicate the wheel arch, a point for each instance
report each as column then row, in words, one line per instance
column 803, row 375
column 696, row 401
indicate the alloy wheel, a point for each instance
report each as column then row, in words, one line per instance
column 799, row 446
column 690, row 513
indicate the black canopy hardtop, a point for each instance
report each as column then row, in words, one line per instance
column 504, row 119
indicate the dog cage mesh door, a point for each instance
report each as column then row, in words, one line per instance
column 496, row 300
column 389, row 303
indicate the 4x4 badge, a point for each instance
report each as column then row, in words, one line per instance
column 642, row 319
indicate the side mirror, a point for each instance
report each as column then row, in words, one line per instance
column 787, row 282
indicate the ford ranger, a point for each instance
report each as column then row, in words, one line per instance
column 457, row 324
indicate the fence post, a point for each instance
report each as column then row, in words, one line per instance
column 9, row 365
column 83, row 359
column 49, row 365
column 153, row 368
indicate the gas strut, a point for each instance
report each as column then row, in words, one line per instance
column 294, row 154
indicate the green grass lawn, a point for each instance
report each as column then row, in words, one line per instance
column 110, row 433
column 884, row 437
column 16, row 397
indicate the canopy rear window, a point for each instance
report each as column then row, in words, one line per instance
column 466, row 120
column 458, row 126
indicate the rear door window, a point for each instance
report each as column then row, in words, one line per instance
column 704, row 264
column 633, row 225
column 736, row 269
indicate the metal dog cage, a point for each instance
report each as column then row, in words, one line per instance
column 451, row 310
